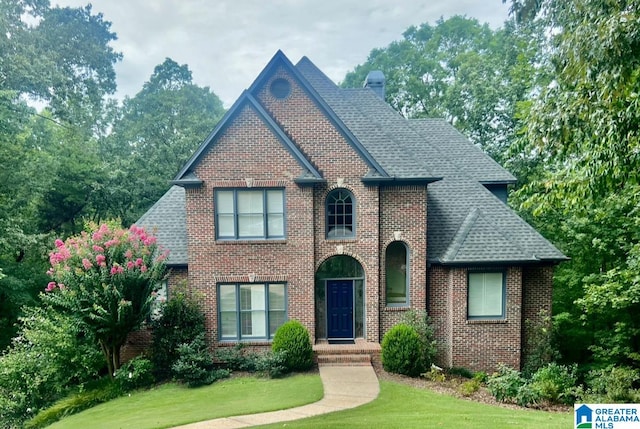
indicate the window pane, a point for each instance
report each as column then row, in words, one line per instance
column 227, row 297
column 224, row 202
column 253, row 324
column 225, row 225
column 251, row 225
column 276, row 319
column 228, row 325
column 250, row 202
column 396, row 273
column 276, row 297
column 252, row 297
column 276, row 225
column 486, row 294
column 275, row 202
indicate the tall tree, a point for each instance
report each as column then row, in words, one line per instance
column 466, row 72
column 155, row 133
column 60, row 57
column 584, row 127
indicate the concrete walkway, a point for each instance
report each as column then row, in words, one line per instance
column 344, row 387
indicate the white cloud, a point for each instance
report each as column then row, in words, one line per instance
column 226, row 43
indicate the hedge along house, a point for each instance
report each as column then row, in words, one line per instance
column 324, row 205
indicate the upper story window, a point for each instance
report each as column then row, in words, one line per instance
column 249, row 214
column 486, row 295
column 340, row 214
column 397, row 274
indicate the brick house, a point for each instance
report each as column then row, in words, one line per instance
column 324, row 205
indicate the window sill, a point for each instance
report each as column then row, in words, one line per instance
column 487, row 321
column 240, row 242
column 401, row 307
column 232, row 343
column 341, row 240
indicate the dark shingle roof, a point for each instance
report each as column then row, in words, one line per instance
column 467, row 224
column 167, row 220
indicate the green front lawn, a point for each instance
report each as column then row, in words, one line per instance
column 172, row 405
column 401, row 406
column 397, row 406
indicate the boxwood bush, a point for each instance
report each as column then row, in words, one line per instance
column 293, row 338
column 402, row 351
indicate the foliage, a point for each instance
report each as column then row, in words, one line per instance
column 421, row 322
column 104, row 279
column 464, row 71
column 273, row 364
column 293, row 338
column 613, row 385
column 508, row 385
column 181, row 321
column 103, row 391
column 583, row 131
column 469, row 387
column 237, row 358
column 154, row 134
column 49, row 354
column 463, row 372
column 195, row 366
column 541, row 349
column 435, row 374
column 555, row 383
column 134, row 374
column 402, row 351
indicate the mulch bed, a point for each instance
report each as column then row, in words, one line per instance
column 451, row 387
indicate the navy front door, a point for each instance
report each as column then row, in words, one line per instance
column 340, row 309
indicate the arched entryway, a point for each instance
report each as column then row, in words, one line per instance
column 339, row 299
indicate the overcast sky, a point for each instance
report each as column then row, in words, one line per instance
column 226, row 43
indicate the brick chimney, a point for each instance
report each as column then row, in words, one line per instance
column 375, row 81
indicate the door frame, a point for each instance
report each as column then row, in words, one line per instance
column 353, row 304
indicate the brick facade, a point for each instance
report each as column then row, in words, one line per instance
column 247, row 154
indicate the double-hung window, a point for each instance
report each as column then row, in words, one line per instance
column 251, row 311
column 249, row 214
column 486, row 295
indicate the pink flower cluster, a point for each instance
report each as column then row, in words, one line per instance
column 114, row 250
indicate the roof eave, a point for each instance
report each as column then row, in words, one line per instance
column 506, row 262
column 399, row 181
column 188, row 183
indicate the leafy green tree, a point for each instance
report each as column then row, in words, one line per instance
column 154, row 134
column 105, row 278
column 60, row 57
column 50, row 355
column 461, row 70
column 583, row 129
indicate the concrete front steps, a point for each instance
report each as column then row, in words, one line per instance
column 361, row 353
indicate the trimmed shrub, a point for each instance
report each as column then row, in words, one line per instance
column 194, row 365
column 272, row 364
column 134, row 374
column 421, row 322
column 181, row 322
column 555, row 383
column 237, row 358
column 293, row 338
column 469, row 387
column 462, row 372
column 402, row 351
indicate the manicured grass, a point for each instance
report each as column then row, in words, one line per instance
column 171, row 405
column 400, row 406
